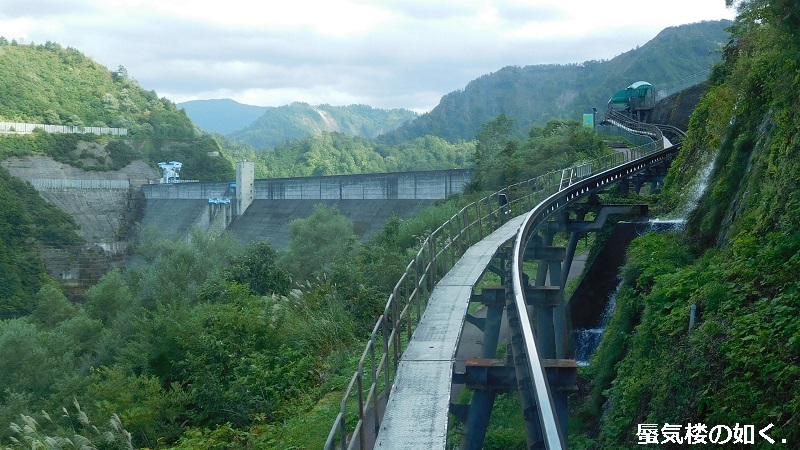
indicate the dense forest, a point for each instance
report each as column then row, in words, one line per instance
column 339, row 154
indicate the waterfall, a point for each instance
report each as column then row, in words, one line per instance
column 665, row 225
column 588, row 339
column 699, row 188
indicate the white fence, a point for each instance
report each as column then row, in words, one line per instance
column 26, row 128
column 54, row 183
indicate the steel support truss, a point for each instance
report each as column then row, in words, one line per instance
column 487, row 375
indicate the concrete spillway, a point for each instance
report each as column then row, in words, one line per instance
column 174, row 218
column 270, row 219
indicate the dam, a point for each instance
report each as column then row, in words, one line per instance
column 107, row 206
column 263, row 209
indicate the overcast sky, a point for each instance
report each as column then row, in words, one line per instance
column 383, row 53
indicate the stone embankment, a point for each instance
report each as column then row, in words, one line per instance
column 101, row 203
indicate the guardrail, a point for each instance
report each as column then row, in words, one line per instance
column 378, row 364
column 635, row 127
column 633, row 163
column 27, row 128
column 58, row 183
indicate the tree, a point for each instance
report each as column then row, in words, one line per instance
column 51, row 307
column 319, row 242
column 493, row 143
column 109, row 298
column 257, row 267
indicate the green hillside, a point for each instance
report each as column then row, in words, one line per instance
column 26, row 221
column 532, row 95
column 738, row 261
column 298, row 120
column 50, row 84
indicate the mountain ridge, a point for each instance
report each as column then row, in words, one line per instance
column 268, row 126
column 532, row 95
column 221, row 115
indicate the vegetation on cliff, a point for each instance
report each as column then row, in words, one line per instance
column 26, row 222
column 737, row 262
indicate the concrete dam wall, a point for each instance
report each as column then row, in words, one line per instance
column 423, row 185
column 367, row 200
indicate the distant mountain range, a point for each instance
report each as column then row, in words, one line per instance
column 266, row 127
column 530, row 95
column 221, row 115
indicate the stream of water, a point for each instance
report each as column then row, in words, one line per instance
column 588, row 339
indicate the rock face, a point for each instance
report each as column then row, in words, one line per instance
column 676, row 109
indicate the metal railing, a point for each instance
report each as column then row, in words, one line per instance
column 379, row 361
column 58, row 183
column 635, row 127
column 634, row 162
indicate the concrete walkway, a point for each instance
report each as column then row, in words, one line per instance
column 417, row 411
column 418, row 407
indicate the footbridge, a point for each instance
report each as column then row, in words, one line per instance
column 509, row 252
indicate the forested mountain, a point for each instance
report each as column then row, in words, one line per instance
column 50, row 84
column 338, row 154
column 221, row 115
column 532, row 95
column 298, row 120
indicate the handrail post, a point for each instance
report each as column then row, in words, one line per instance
column 343, row 424
column 480, row 220
column 376, row 393
column 395, row 329
column 409, row 293
column 432, row 262
column 362, row 437
column 385, row 332
column 420, row 288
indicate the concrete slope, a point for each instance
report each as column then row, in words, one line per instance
column 268, row 220
column 98, row 212
column 173, row 217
